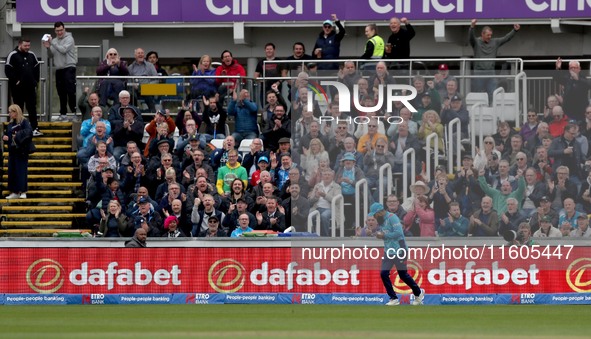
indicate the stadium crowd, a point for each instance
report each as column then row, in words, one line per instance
column 531, row 179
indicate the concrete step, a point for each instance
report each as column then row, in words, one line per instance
column 46, row 169
column 54, row 162
column 44, row 176
column 36, row 224
column 43, row 192
column 44, row 216
column 37, row 208
column 42, row 200
column 50, row 184
column 48, row 232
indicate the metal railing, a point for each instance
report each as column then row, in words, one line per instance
column 411, row 152
column 42, row 111
column 428, row 153
column 478, row 107
column 338, row 215
column 454, row 147
column 358, row 185
column 387, row 168
column 311, row 216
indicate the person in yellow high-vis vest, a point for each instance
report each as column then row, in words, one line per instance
column 374, row 48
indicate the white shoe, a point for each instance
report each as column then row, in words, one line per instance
column 419, row 299
column 62, row 117
column 13, row 196
column 37, row 132
column 23, row 196
column 393, row 302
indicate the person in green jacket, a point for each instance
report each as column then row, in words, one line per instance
column 500, row 197
column 228, row 173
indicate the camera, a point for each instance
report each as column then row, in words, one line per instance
column 512, row 236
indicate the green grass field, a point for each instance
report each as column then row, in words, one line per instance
column 294, row 321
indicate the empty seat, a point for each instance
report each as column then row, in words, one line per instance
column 506, row 106
column 489, row 120
column 218, row 143
column 476, row 97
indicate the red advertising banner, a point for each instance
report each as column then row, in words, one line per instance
column 276, row 270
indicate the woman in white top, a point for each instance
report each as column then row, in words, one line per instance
column 481, row 158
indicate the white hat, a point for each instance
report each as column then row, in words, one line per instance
column 419, row 184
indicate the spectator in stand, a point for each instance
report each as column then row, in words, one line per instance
column 367, row 142
column 162, row 136
column 551, row 102
column 133, row 206
column 229, row 66
column 243, row 223
column 17, row 137
column 348, row 147
column 582, row 141
column 417, row 189
column 111, row 66
column 374, row 48
column 169, row 179
column 65, row 57
column 567, row 152
column 347, row 176
column 88, row 129
column 585, row 124
column 158, row 166
column 370, row 229
column 482, row 155
column 314, row 133
column 134, row 174
column 556, row 127
column 440, row 196
column 455, row 225
column 582, row 230
column 22, row 71
column 530, row 127
column 521, row 164
column 398, row 45
column 101, row 159
column 299, row 209
column 214, row 117
column 569, row 214
column 312, row 156
column 265, row 67
column 321, row 197
column 561, row 187
column 116, row 111
column 542, row 164
column 90, row 147
column 487, row 47
column 511, row 153
column 200, row 217
column 190, row 171
column 432, row 124
column 161, row 117
column 125, row 159
column 303, row 127
column 199, row 190
column 420, row 219
column 295, row 177
column 534, row 191
column 348, row 75
column 138, row 240
column 281, row 175
column 203, row 87
column 536, row 140
column 316, row 175
column 178, row 209
column 544, row 209
column 189, row 133
column 143, row 68
column 87, row 101
column 393, row 206
column 576, row 89
column 231, row 220
column 262, row 166
column 267, row 191
column 328, row 43
column 456, row 109
column 130, row 129
column 299, row 54
column 273, row 218
column 114, row 222
column 185, row 114
column 174, row 192
column 380, row 77
column 406, row 117
column 423, row 88
column 153, row 58
column 511, row 218
column 485, row 221
column 219, row 157
column 171, row 228
column 503, row 136
column 237, row 191
column 214, row 230
column 500, row 197
column 232, row 170
column 451, row 90
column 273, row 99
column 372, row 162
column 440, row 81
column 277, row 128
column 245, row 111
column 363, row 128
column 145, row 217
column 547, row 230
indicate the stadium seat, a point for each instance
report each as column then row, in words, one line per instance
column 218, row 143
column 476, row 97
column 506, row 106
column 489, row 120
column 245, row 146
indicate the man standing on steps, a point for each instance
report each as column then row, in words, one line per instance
column 22, row 71
column 395, row 254
column 65, row 57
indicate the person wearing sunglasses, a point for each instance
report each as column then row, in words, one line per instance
column 328, row 43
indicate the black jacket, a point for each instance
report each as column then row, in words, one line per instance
column 22, row 67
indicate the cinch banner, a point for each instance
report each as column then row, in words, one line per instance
column 275, row 270
column 109, row 11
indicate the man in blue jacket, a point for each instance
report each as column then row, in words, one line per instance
column 395, row 254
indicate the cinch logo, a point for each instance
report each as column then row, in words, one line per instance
column 226, row 276
column 45, row 276
column 392, row 95
column 414, row 269
column 577, row 276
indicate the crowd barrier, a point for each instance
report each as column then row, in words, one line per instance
column 291, row 271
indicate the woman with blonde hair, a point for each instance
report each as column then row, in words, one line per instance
column 19, row 138
column 203, row 87
column 432, row 124
column 312, row 156
column 113, row 222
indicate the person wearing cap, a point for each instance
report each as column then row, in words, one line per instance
column 279, row 127
column 328, row 43
column 240, row 207
column 419, row 188
column 544, row 209
column 187, row 152
column 161, row 118
column 171, row 228
column 126, row 130
column 424, row 87
column 487, row 47
column 145, row 217
column 348, row 146
column 398, row 44
column 456, row 109
column 262, row 165
column 162, row 136
column 426, row 103
column 392, row 232
column 347, row 176
column 214, row 229
column 441, row 79
column 547, row 230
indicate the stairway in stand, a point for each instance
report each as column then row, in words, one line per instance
column 54, row 201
